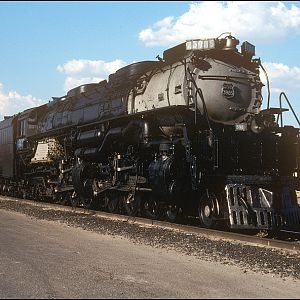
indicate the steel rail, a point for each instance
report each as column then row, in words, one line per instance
column 210, row 233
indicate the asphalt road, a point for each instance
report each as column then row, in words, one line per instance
column 47, row 259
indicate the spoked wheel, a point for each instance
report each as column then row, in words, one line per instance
column 131, row 204
column 61, row 199
column 209, row 210
column 112, row 202
column 9, row 191
column 38, row 191
column 172, row 213
column 74, row 199
column 151, row 208
column 86, row 202
column 67, row 198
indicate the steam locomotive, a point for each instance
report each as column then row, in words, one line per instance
column 181, row 135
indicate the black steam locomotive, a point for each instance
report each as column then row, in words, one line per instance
column 182, row 135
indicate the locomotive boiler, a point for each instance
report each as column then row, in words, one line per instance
column 184, row 135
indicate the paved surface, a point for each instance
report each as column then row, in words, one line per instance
column 46, row 259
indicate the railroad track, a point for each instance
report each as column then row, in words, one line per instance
column 291, row 242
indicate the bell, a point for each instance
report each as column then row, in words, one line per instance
column 231, row 43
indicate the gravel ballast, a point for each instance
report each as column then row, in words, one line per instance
column 266, row 260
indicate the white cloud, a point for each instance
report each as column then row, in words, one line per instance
column 12, row 102
column 282, row 78
column 255, row 21
column 82, row 71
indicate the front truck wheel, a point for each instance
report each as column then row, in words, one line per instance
column 208, row 210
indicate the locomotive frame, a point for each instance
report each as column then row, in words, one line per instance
column 185, row 134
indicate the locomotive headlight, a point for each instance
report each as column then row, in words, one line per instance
column 205, row 44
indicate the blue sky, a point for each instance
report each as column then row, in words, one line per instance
column 50, row 47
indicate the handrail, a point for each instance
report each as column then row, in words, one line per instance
column 268, row 85
column 288, row 102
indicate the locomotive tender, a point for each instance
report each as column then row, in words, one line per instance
column 184, row 134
